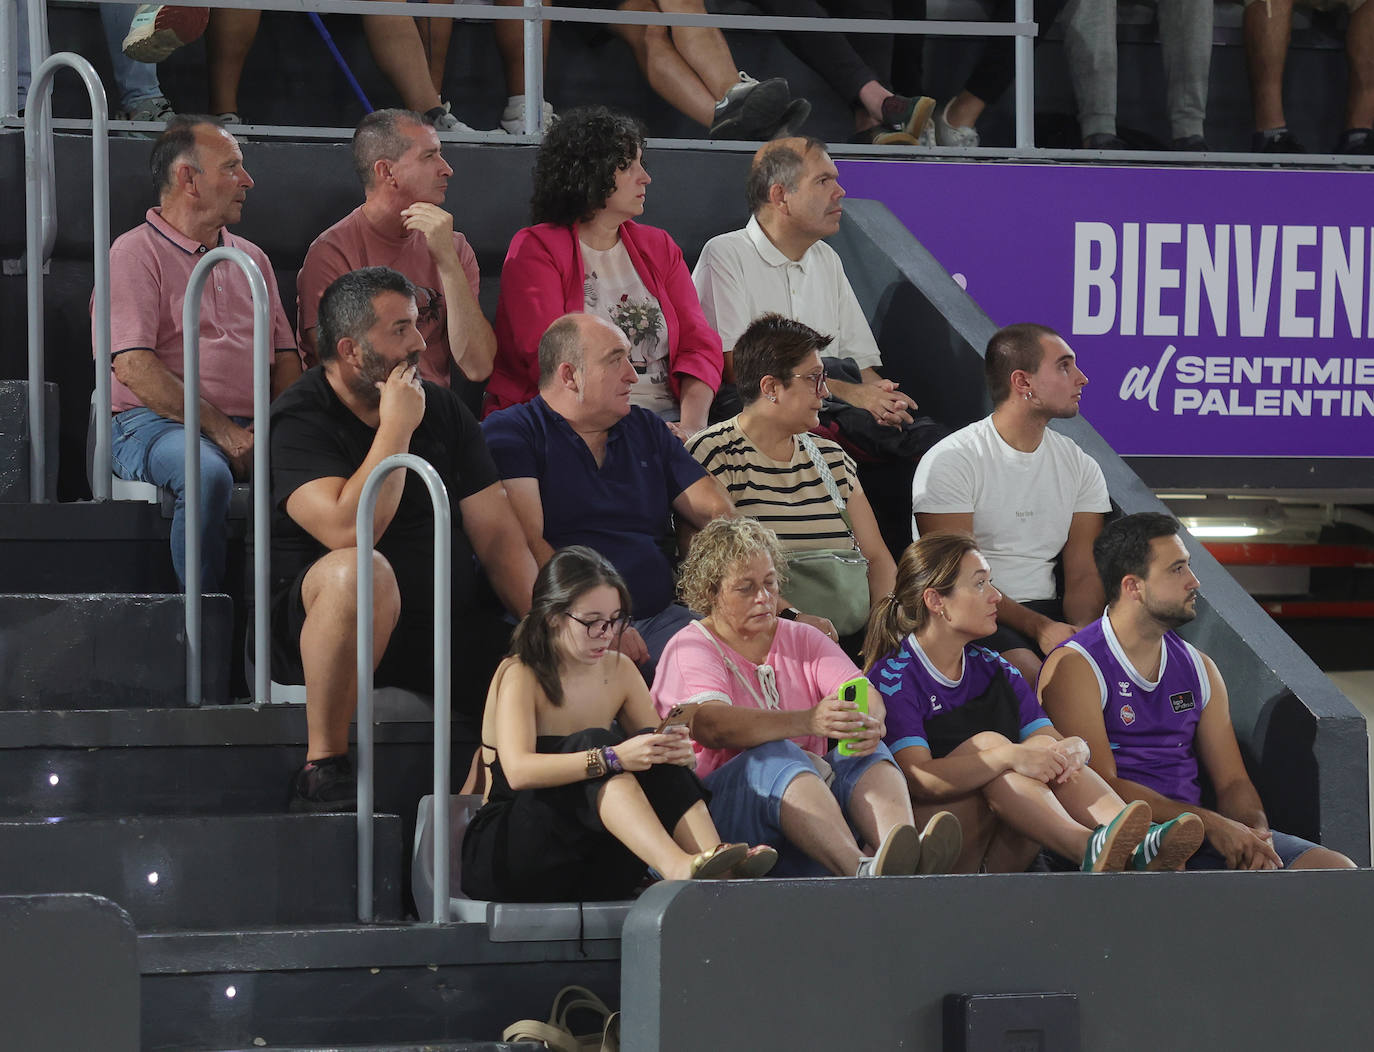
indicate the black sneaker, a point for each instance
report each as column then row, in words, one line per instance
column 1189, row 144
column 324, row 785
column 1105, row 141
column 1356, row 141
column 750, row 108
column 1275, row 140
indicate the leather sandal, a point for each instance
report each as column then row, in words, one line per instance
column 717, row 862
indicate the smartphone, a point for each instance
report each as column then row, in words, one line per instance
column 855, row 690
column 677, row 717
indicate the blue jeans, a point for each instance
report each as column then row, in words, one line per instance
column 146, row 447
column 136, row 80
column 746, row 800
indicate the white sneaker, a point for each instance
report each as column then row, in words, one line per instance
column 947, row 134
column 513, row 116
column 446, row 121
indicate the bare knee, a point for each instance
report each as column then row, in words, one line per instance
column 333, row 580
column 1026, row 662
column 983, row 741
column 1322, row 858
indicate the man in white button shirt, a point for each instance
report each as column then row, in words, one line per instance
column 779, row 263
column 1027, row 494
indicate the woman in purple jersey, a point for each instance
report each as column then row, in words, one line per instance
column 967, row 731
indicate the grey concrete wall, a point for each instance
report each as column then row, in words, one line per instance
column 1257, row 961
column 68, row 974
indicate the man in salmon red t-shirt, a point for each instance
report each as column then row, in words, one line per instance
column 401, row 225
column 201, row 182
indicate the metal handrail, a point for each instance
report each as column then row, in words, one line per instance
column 41, row 232
column 190, row 322
column 443, row 587
column 534, row 15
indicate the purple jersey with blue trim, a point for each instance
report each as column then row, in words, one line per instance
column 1151, row 726
column 914, row 691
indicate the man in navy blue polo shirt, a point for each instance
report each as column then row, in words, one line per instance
column 582, row 466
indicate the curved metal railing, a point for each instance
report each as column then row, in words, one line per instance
column 443, row 560
column 40, row 224
column 190, row 321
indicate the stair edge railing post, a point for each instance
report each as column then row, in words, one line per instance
column 364, row 535
column 190, row 353
column 40, row 234
column 1024, row 67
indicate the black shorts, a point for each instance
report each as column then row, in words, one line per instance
column 479, row 640
column 1007, row 638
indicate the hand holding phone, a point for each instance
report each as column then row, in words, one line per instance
column 678, row 716
column 855, row 690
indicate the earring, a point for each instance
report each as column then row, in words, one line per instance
column 773, row 398
column 945, row 614
column 1026, row 396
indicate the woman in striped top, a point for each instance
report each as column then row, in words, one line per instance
column 786, row 478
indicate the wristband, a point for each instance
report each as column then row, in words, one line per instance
column 596, row 764
column 789, row 613
column 612, row 760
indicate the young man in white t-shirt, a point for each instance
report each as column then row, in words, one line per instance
column 1028, row 495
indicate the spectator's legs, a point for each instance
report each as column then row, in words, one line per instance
column 979, row 825
column 880, row 801
column 692, row 89
column 812, row 823
column 329, row 650
column 150, row 448
column 996, row 67
column 1359, row 55
column 1185, row 27
column 228, row 39
column 1322, row 857
column 136, row 81
column 1090, row 44
column 510, row 42
column 435, row 34
column 395, row 44
column 834, row 57
column 1268, row 26
column 629, row 817
column 908, row 50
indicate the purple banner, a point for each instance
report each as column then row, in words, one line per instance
column 1215, row 312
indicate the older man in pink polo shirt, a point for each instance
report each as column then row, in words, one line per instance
column 201, row 182
column 401, row 225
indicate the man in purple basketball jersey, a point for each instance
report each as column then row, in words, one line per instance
column 1151, row 705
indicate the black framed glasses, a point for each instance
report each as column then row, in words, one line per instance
column 818, row 379
column 600, row 626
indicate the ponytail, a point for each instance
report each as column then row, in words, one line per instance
column 886, row 627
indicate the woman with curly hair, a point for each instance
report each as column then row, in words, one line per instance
column 577, row 810
column 764, row 696
column 586, row 253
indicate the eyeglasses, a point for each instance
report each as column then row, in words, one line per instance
column 818, row 379
column 599, row 627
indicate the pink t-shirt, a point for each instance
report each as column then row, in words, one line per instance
column 803, row 663
column 150, row 267
column 354, row 242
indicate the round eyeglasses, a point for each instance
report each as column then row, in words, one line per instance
column 600, row 626
column 818, row 379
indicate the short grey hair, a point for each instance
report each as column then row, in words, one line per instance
column 346, row 306
column 380, row 136
column 778, row 163
column 561, row 342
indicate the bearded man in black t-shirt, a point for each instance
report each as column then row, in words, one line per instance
column 364, row 402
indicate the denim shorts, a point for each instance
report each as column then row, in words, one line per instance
column 1289, row 847
column 746, row 801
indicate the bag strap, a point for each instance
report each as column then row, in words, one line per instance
column 766, row 681
column 827, row 478
column 555, row 1037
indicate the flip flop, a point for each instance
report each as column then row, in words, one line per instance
column 717, row 862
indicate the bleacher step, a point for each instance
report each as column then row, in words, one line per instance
column 230, row 759
column 117, row 650
column 384, row 985
column 191, row 872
